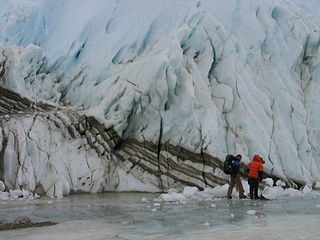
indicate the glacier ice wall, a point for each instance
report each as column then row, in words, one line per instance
column 217, row 77
column 57, row 151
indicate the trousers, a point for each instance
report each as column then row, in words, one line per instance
column 235, row 180
column 254, row 186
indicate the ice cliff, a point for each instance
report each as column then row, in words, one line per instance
column 176, row 84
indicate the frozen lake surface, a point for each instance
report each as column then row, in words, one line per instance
column 130, row 216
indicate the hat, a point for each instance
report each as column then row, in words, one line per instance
column 238, row 157
column 257, row 158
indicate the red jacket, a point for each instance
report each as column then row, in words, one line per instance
column 255, row 166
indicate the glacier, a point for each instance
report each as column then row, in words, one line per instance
column 143, row 95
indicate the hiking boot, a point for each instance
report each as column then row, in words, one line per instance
column 229, row 197
column 244, row 196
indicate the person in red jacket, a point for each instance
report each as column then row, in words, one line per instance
column 255, row 170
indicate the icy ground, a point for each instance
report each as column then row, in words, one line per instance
column 137, row 216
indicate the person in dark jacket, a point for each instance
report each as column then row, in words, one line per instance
column 255, row 170
column 235, row 178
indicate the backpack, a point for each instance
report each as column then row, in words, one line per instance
column 227, row 165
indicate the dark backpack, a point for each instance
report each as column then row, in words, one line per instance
column 227, row 165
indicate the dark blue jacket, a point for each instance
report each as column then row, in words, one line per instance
column 236, row 167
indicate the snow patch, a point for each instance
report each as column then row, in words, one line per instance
column 280, row 183
column 2, row 186
column 21, row 195
column 268, row 181
column 251, row 212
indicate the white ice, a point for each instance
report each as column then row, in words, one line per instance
column 222, row 76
